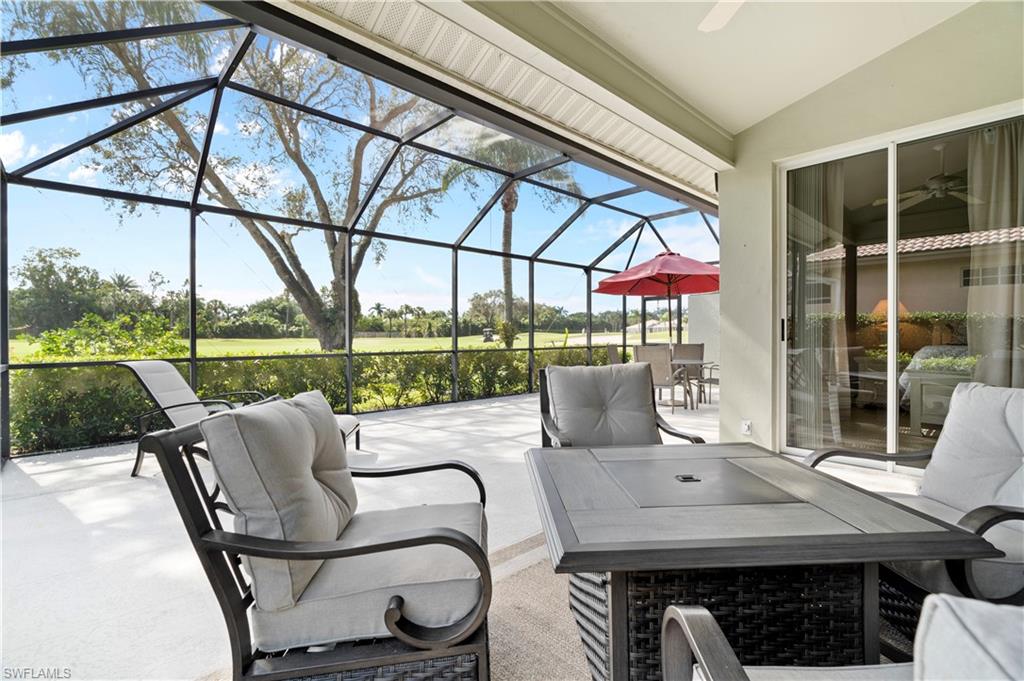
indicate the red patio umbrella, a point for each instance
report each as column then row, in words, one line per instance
column 666, row 274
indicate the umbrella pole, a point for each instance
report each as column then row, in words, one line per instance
column 669, row 292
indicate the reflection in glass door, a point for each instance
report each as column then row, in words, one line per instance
column 957, row 288
column 960, row 250
column 836, row 307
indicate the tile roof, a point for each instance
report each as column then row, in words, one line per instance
column 925, row 244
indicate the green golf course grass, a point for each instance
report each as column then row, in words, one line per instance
column 22, row 350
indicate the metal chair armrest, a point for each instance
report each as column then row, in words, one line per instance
column 359, row 472
column 558, row 439
column 161, row 410
column 979, row 521
column 402, row 628
column 256, row 393
column 664, row 426
column 819, row 455
column 689, row 634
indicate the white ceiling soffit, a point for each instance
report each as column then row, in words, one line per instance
column 537, row 86
column 765, row 57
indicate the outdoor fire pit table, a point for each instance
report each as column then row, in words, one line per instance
column 785, row 556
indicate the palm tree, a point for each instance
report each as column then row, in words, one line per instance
column 377, row 309
column 391, row 315
column 122, row 286
column 515, row 154
column 404, row 311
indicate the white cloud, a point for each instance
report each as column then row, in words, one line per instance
column 83, row 174
column 220, row 129
column 12, row 147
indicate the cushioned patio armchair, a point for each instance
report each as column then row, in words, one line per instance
column 175, row 399
column 958, row 638
column 974, row 478
column 308, row 586
column 601, row 406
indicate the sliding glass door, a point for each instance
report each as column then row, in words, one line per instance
column 960, row 254
column 945, row 265
column 835, row 303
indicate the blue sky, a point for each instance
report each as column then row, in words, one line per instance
column 231, row 268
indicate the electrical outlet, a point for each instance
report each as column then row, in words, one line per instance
column 746, row 428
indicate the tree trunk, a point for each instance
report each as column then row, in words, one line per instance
column 509, row 202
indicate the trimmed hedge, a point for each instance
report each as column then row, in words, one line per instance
column 60, row 408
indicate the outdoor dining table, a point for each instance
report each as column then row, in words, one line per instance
column 786, row 557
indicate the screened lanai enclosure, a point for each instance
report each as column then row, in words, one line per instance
column 270, row 214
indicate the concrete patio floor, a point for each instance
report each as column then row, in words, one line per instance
column 99, row 577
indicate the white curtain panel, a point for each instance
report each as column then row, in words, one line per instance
column 995, row 159
column 818, row 354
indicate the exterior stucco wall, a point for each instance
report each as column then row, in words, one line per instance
column 974, row 60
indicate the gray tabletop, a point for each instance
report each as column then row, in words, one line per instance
column 661, row 507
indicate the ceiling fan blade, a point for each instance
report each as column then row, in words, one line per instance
column 905, row 195
column 966, row 198
column 719, row 15
column 913, row 201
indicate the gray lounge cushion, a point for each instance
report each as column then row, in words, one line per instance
column 996, row 577
column 347, row 598
column 347, row 424
column 607, row 405
column 979, row 456
column 962, row 638
column 284, row 473
column 168, row 386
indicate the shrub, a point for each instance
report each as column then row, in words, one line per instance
column 492, row 374
column 74, row 407
column 124, row 337
column 284, row 376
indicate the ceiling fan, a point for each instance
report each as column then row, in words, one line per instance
column 719, row 15
column 935, row 187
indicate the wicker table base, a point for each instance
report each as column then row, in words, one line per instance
column 453, row 668
column 810, row 615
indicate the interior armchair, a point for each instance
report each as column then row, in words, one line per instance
column 308, row 585
column 602, row 406
column 974, row 478
column 958, row 638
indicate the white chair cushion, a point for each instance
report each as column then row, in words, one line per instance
column 347, row 424
column 167, row 386
column 283, row 470
column 348, row 596
column 979, row 456
column 962, row 638
column 868, row 672
column 996, row 577
column 607, row 405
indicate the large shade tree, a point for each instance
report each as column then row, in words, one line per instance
column 305, row 166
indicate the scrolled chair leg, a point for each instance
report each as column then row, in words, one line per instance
column 138, row 461
column 435, row 638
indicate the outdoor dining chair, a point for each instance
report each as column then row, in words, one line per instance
column 974, row 478
column 601, row 406
column 175, row 399
column 614, row 354
column 693, row 375
column 308, row 585
column 958, row 638
column 659, row 357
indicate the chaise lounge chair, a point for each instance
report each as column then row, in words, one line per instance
column 176, row 400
